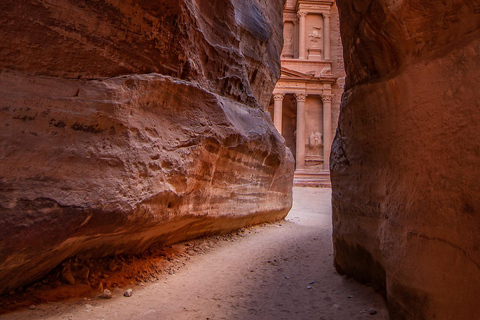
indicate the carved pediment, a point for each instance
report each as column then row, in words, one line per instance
column 288, row 74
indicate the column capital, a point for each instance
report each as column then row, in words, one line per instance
column 326, row 14
column 327, row 98
column 278, row 96
column 301, row 97
column 301, row 14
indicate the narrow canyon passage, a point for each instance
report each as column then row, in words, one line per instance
column 277, row 271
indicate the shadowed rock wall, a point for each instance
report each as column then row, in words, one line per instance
column 405, row 162
column 129, row 123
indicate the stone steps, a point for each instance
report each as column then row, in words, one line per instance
column 312, row 179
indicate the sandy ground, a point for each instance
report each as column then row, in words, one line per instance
column 275, row 271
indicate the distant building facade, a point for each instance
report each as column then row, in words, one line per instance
column 306, row 100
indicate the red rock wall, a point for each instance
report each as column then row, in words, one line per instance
column 405, row 161
column 129, row 123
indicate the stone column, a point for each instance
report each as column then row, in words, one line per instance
column 300, row 152
column 327, row 130
column 277, row 111
column 301, row 35
column 326, row 36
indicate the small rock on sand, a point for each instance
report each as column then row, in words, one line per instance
column 107, row 294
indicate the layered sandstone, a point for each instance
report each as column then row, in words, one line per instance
column 129, row 123
column 405, row 161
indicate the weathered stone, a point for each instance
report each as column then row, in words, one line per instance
column 126, row 124
column 106, row 294
column 68, row 277
column 406, row 155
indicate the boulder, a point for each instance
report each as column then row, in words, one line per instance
column 136, row 122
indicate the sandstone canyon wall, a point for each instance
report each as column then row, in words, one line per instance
column 405, row 161
column 133, row 122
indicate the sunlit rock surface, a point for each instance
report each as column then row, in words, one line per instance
column 405, row 163
column 129, row 123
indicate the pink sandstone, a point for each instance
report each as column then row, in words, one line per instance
column 405, row 160
column 130, row 123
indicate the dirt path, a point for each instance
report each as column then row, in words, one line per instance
column 277, row 271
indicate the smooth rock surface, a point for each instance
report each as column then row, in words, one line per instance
column 129, row 123
column 405, row 162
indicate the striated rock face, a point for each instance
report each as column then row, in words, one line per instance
column 405, row 162
column 129, row 123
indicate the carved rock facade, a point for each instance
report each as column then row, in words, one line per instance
column 125, row 124
column 307, row 97
column 405, row 160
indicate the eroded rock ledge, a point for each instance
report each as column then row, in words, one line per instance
column 130, row 124
column 406, row 155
